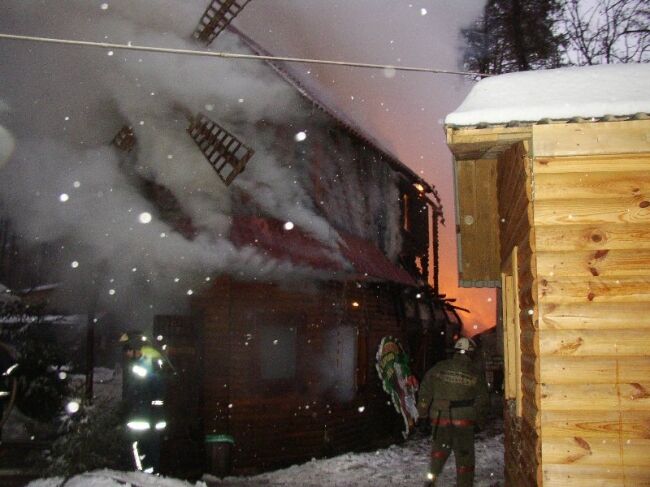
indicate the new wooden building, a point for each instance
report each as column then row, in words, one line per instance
column 555, row 209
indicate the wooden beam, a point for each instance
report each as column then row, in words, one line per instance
column 593, row 236
column 596, row 397
column 594, row 370
column 561, row 475
column 594, row 289
column 593, row 315
column 598, row 424
column 632, row 136
column 601, row 263
column 603, row 343
column 632, row 210
column 486, row 143
column 592, row 185
column 592, row 163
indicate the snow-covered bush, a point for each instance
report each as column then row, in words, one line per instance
column 40, row 389
column 93, row 438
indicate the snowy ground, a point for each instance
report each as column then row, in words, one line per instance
column 398, row 466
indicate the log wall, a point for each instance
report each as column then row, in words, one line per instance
column 522, row 439
column 592, row 235
column 278, row 422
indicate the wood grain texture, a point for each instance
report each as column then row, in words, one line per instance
column 591, row 138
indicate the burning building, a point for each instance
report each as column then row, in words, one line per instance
column 271, row 243
column 283, row 365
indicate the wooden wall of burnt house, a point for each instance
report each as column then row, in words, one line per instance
column 23, row 264
column 290, row 372
column 182, row 449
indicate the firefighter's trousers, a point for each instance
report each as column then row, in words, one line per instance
column 456, row 436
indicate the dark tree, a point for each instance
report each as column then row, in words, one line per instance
column 606, row 31
column 514, row 35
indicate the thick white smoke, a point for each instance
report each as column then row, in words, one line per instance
column 66, row 183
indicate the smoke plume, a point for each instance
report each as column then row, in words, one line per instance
column 66, row 184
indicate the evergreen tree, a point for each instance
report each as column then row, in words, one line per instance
column 513, row 35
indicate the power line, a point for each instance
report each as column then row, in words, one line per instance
column 230, row 55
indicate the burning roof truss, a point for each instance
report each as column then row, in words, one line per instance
column 125, row 139
column 225, row 153
column 216, row 18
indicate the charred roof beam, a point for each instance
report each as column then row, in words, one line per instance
column 225, row 152
column 217, row 16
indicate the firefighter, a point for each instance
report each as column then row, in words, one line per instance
column 143, row 392
column 454, row 395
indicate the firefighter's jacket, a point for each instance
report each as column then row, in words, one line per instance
column 454, row 390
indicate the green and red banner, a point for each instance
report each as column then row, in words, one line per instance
column 397, row 380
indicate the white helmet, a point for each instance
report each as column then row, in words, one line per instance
column 464, row 345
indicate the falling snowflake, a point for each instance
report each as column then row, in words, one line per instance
column 288, row 226
column 63, row 197
column 74, row 264
column 300, row 136
column 111, row 292
column 144, row 217
column 104, row 6
column 423, row 11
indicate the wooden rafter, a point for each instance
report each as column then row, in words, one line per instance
column 125, row 139
column 225, row 153
column 217, row 17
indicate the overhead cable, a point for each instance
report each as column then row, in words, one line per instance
column 231, row 55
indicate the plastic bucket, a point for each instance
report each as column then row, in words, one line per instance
column 218, row 449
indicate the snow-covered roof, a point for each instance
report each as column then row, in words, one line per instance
column 557, row 94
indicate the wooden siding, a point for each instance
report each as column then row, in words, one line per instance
column 522, row 449
column 478, row 229
column 592, row 221
column 279, row 422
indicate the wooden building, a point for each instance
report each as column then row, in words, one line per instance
column 555, row 210
column 284, row 367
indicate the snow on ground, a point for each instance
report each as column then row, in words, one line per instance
column 111, row 478
column 556, row 94
column 403, row 465
column 397, row 466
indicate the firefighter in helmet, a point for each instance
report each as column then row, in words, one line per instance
column 143, row 392
column 454, row 395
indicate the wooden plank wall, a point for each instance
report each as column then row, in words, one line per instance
column 283, row 423
column 522, row 443
column 477, row 226
column 592, row 233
